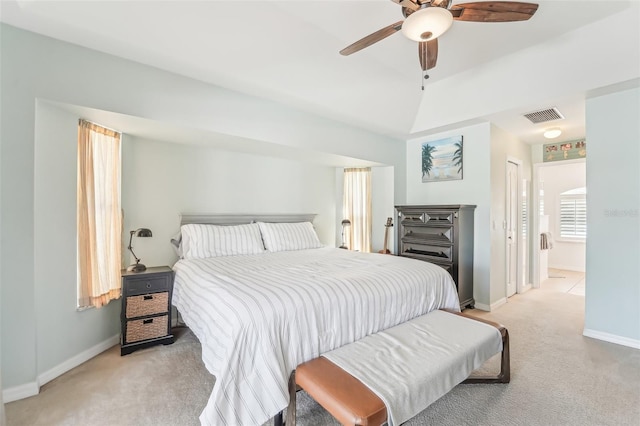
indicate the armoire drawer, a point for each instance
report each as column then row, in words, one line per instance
column 446, row 266
column 427, row 251
column 430, row 217
column 442, row 235
column 428, row 233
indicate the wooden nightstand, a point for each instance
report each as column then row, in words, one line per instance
column 146, row 308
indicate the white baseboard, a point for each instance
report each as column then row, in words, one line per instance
column 612, row 338
column 525, row 288
column 75, row 361
column 567, row 268
column 491, row 307
column 33, row 388
column 20, row 392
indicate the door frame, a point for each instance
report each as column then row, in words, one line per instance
column 521, row 287
column 535, row 216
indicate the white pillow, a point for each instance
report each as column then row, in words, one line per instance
column 201, row 241
column 289, row 236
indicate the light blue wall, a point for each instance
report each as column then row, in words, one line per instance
column 16, row 189
column 36, row 67
column 486, row 149
column 160, row 180
column 2, row 415
column 474, row 188
column 613, row 221
column 62, row 332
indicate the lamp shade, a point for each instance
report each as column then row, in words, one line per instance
column 142, row 232
column 346, row 222
column 427, row 24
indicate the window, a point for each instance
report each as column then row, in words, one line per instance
column 573, row 214
column 99, row 225
column 356, row 207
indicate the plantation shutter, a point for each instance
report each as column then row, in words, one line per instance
column 573, row 217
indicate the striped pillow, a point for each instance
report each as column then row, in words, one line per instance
column 289, row 236
column 202, row 241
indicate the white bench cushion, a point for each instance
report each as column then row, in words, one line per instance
column 411, row 365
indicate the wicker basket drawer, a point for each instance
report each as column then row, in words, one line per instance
column 146, row 328
column 147, row 304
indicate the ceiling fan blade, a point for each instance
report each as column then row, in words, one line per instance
column 409, row 4
column 372, row 38
column 494, row 11
column 428, row 53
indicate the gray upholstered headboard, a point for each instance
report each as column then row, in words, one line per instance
column 239, row 219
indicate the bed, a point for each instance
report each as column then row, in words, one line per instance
column 260, row 313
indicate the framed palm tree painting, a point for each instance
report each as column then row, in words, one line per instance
column 442, row 159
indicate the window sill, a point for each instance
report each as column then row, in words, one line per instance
column 572, row 240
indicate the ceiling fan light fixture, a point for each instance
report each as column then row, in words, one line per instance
column 427, row 23
column 552, row 133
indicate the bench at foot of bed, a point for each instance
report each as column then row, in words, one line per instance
column 352, row 402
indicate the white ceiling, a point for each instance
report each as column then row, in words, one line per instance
column 288, row 51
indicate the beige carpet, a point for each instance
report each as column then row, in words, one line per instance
column 558, row 376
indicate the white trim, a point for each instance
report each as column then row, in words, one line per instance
column 577, row 240
column 518, row 225
column 76, row 360
column 492, row 307
column 612, row 338
column 573, row 268
column 526, row 288
column 20, row 392
column 534, row 241
column 33, row 388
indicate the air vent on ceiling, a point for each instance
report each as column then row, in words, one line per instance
column 544, row 115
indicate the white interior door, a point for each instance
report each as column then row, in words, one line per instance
column 512, row 228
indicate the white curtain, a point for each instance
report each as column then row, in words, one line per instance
column 357, row 208
column 99, row 215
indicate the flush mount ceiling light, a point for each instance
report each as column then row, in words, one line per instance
column 552, row 133
column 427, row 24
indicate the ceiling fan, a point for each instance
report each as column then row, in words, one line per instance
column 426, row 20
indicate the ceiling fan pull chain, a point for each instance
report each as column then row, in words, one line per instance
column 424, row 76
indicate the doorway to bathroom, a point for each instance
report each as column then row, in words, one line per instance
column 560, row 198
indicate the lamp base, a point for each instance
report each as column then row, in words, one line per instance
column 344, row 247
column 138, row 267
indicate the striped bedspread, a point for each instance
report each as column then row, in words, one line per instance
column 259, row 316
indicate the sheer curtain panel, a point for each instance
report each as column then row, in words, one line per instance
column 99, row 217
column 357, row 208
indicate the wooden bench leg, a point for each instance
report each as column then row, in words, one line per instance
column 291, row 410
column 505, row 364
